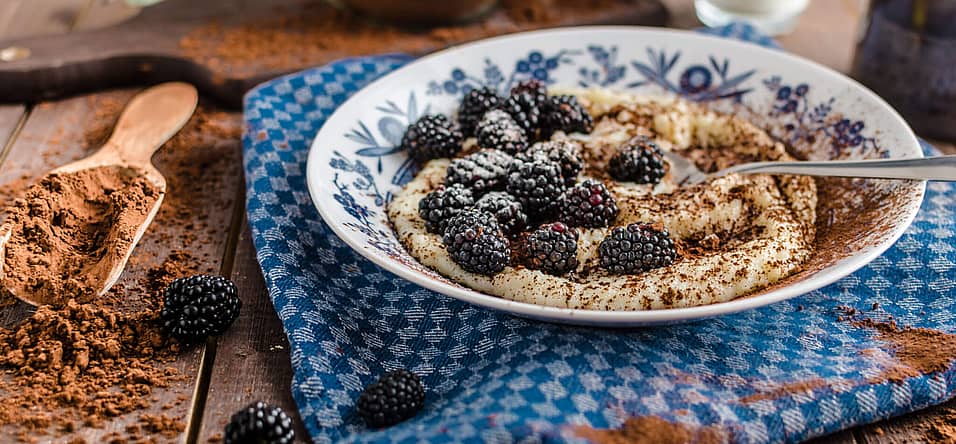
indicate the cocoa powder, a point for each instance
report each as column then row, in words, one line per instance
column 916, row 351
column 783, row 390
column 942, row 426
column 70, row 229
column 654, row 430
column 80, row 365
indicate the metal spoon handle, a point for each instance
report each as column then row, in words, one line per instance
column 923, row 168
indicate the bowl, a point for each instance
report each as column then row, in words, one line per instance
column 355, row 166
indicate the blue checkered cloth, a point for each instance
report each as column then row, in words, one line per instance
column 494, row 377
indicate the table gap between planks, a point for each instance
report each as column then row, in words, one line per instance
column 251, row 361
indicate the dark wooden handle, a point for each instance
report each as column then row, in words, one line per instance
column 146, row 50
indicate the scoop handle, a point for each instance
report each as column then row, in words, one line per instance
column 150, row 119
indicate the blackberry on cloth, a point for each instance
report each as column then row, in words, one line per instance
column 395, row 397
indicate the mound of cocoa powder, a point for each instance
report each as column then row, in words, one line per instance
column 70, row 229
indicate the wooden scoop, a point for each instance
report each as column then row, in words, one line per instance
column 150, row 119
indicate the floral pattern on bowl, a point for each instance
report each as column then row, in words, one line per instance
column 355, row 164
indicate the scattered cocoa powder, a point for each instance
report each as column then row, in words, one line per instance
column 70, row 229
column 916, row 351
column 942, row 425
column 783, row 390
column 654, row 430
column 82, row 365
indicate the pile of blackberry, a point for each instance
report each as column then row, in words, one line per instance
column 520, row 176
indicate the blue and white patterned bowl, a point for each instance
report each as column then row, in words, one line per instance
column 354, row 165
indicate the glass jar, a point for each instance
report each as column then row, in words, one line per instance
column 907, row 54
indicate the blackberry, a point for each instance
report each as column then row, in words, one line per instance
column 553, row 248
column 588, row 204
column 564, row 113
column 525, row 109
column 565, row 152
column 260, row 423
column 199, row 306
column 639, row 160
column 480, row 172
column 473, row 106
column 431, row 137
column 395, row 397
column 506, row 209
column 636, row 248
column 497, row 130
column 437, row 207
column 537, row 184
column 475, row 241
column 532, row 86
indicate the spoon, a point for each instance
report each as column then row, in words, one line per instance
column 150, row 119
column 921, row 168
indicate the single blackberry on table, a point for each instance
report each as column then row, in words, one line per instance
column 432, row 137
column 588, row 204
column 473, row 107
column 553, row 248
column 636, row 248
column 474, row 240
column 480, row 172
column 639, row 160
column 564, row 113
column 565, row 152
column 395, row 397
column 506, row 209
column 260, row 423
column 497, row 130
column 439, row 206
column 525, row 109
column 199, row 306
column 537, row 184
column 532, row 86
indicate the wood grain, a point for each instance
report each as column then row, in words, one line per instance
column 843, row 437
column 54, row 134
column 252, row 358
column 10, row 116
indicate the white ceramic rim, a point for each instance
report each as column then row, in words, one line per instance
column 820, row 279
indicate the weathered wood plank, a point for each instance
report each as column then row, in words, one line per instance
column 252, row 358
column 844, row 437
column 10, row 116
column 932, row 425
column 203, row 174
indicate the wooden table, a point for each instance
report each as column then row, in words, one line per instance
column 251, row 361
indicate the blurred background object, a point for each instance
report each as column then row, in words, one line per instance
column 773, row 17
column 422, row 12
column 907, row 54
